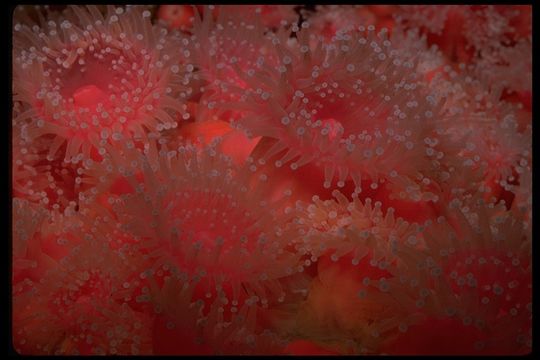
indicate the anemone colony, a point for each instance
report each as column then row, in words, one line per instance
column 272, row 179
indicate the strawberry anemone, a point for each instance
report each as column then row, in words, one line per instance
column 272, row 17
column 351, row 107
column 77, row 306
column 44, row 179
column 88, row 77
column 495, row 39
column 27, row 221
column 275, row 16
column 198, row 218
column 355, row 228
column 473, row 277
column 353, row 241
column 40, row 175
column 489, row 137
column 218, row 47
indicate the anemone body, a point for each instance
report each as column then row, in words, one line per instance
column 176, row 170
column 305, row 103
column 90, row 78
column 198, row 216
column 473, row 272
column 78, row 305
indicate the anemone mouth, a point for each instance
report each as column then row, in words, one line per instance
column 101, row 88
column 177, row 16
column 86, row 85
column 211, row 223
column 202, row 249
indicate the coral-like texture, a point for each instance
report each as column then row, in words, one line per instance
column 272, row 180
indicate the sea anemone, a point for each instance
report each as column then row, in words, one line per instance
column 494, row 39
column 271, row 180
column 90, row 78
column 342, row 227
column 204, row 220
column 355, row 242
column 220, row 45
column 42, row 237
column 304, row 104
column 77, row 305
column 27, row 221
column 485, row 133
column 473, row 275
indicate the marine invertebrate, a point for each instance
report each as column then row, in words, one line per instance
column 271, row 16
column 494, row 39
column 354, row 242
column 41, row 238
column 89, row 77
column 218, row 46
column 271, row 179
column 78, row 307
column 304, row 103
column 205, row 221
column 27, row 221
column 474, row 276
column 45, row 180
column 341, row 227
column 486, row 134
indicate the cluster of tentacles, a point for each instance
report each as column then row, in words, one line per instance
column 271, row 179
